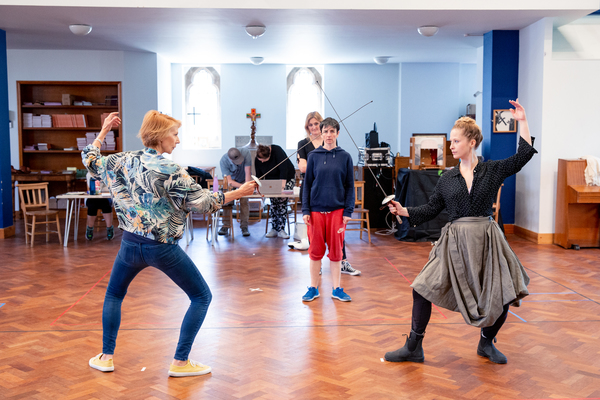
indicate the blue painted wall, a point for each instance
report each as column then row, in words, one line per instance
column 6, row 219
column 500, row 84
column 350, row 87
column 430, row 99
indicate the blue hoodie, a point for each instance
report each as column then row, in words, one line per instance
column 329, row 182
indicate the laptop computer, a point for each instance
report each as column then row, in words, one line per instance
column 271, row 186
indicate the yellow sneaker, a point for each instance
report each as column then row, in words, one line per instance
column 192, row 368
column 104, row 366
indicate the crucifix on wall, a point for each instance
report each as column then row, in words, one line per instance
column 252, row 115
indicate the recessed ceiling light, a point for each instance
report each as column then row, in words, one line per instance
column 382, row 59
column 428, row 30
column 80, row 29
column 255, row 31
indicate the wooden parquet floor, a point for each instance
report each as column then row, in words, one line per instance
column 268, row 344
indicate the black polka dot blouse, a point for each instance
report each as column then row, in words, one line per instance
column 451, row 190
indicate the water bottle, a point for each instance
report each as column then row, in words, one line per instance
column 215, row 184
column 92, row 186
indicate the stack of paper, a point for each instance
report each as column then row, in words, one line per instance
column 43, row 146
column 81, row 143
column 109, row 142
column 46, row 121
column 90, row 136
column 27, row 120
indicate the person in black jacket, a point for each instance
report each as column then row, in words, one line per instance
column 267, row 158
column 471, row 268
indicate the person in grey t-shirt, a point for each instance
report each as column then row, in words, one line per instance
column 235, row 166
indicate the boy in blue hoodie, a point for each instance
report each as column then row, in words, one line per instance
column 327, row 205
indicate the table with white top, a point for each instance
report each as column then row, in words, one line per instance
column 73, row 207
column 215, row 215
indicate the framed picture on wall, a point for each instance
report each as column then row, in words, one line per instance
column 504, row 121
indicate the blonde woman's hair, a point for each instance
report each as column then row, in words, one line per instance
column 311, row 115
column 155, row 128
column 470, row 129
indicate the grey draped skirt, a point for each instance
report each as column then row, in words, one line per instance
column 473, row 270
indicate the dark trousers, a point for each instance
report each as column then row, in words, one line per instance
column 421, row 313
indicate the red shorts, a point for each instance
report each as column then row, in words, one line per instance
column 326, row 228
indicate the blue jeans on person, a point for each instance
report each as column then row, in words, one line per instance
column 175, row 263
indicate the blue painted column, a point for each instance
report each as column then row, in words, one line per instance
column 6, row 202
column 500, row 84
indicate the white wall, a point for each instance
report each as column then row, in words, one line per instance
column 136, row 71
column 562, row 99
column 571, row 129
column 531, row 95
column 164, row 87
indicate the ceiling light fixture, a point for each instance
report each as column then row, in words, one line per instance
column 382, row 59
column 80, row 29
column 428, row 30
column 255, row 31
column 256, row 60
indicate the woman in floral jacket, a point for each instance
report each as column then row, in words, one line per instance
column 152, row 196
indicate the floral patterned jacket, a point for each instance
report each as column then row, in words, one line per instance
column 151, row 194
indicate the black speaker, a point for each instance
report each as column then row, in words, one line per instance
column 372, row 140
column 374, row 195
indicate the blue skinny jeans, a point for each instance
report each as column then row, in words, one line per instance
column 175, row 263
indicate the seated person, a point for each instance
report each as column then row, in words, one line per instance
column 235, row 166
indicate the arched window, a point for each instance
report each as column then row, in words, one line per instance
column 303, row 96
column 202, row 119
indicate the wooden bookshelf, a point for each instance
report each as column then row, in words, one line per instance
column 39, row 92
column 57, row 159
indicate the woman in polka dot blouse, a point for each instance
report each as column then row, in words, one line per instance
column 471, row 268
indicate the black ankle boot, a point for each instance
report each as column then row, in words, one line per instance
column 412, row 350
column 487, row 349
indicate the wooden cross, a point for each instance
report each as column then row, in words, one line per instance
column 253, row 115
column 194, row 113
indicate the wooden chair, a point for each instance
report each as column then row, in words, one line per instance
column 220, row 215
column 496, row 205
column 35, row 204
column 359, row 203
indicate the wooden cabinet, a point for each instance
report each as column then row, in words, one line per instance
column 33, row 96
column 577, row 222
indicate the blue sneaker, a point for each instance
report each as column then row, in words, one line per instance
column 340, row 295
column 312, row 294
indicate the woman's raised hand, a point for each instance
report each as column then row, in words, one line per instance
column 112, row 121
column 518, row 112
